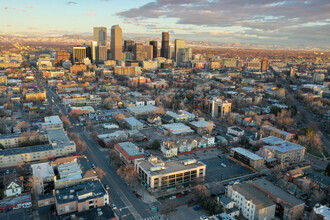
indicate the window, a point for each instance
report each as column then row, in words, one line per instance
column 41, row 204
column 72, row 207
column 66, row 208
column 84, row 207
column 61, row 209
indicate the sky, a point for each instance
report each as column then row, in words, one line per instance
column 272, row 22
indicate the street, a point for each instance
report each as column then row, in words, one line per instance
column 128, row 206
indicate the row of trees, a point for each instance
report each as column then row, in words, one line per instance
column 80, row 145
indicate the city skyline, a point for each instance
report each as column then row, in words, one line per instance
column 287, row 23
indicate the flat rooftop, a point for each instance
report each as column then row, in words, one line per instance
column 80, row 192
column 280, row 145
column 133, row 121
column 142, row 109
column 258, row 198
column 25, row 150
column 178, row 128
column 170, row 166
column 200, row 124
column 42, row 170
column 278, row 192
column 53, row 120
column 59, row 137
column 130, row 148
column 247, row 153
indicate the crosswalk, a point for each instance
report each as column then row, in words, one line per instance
column 151, row 218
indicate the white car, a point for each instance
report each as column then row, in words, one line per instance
column 172, row 197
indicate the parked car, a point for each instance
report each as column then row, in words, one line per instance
column 106, row 186
column 93, row 166
column 137, row 195
column 113, row 206
column 179, row 195
column 172, row 197
column 197, row 207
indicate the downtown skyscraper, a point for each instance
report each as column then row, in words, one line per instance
column 165, row 50
column 100, row 47
column 116, row 43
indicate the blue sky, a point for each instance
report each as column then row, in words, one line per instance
column 288, row 23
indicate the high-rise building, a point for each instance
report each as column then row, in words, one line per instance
column 184, row 55
column 79, row 53
column 116, row 42
column 154, row 45
column 142, row 52
column 165, row 45
column 264, row 65
column 100, row 36
column 179, row 44
column 94, row 51
column 128, row 45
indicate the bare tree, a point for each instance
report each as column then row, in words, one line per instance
column 101, row 174
column 23, row 126
column 128, row 173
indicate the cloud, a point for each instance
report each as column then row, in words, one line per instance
column 257, row 19
column 5, row 7
column 215, row 33
column 30, row 7
column 89, row 14
column 71, row 3
column 92, row 9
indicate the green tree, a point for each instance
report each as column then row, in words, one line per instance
column 155, row 144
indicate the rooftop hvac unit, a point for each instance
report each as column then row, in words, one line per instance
column 190, row 161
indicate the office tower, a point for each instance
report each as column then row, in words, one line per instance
column 184, row 55
column 95, row 51
column 142, row 52
column 79, row 53
column 116, row 42
column 100, row 36
column 264, row 65
column 179, row 44
column 128, row 45
column 62, row 55
column 88, row 51
column 165, row 45
column 154, row 45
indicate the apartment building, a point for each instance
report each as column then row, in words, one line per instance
column 161, row 177
column 58, row 145
column 15, row 139
column 284, row 151
column 292, row 207
column 252, row 203
column 80, row 197
column 271, row 131
column 90, row 100
column 248, row 158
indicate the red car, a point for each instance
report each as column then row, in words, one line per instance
column 137, row 195
column 179, row 195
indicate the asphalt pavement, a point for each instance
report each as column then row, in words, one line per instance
column 128, row 206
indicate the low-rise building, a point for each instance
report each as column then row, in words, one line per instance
column 169, row 149
column 181, row 116
column 292, row 207
column 52, row 122
column 248, row 158
column 178, row 129
column 13, row 186
column 253, row 204
column 128, row 152
column 80, row 197
column 284, row 151
column 161, row 177
column 133, row 124
column 271, row 131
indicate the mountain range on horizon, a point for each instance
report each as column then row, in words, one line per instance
column 86, row 39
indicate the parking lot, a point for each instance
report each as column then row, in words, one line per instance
column 216, row 172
